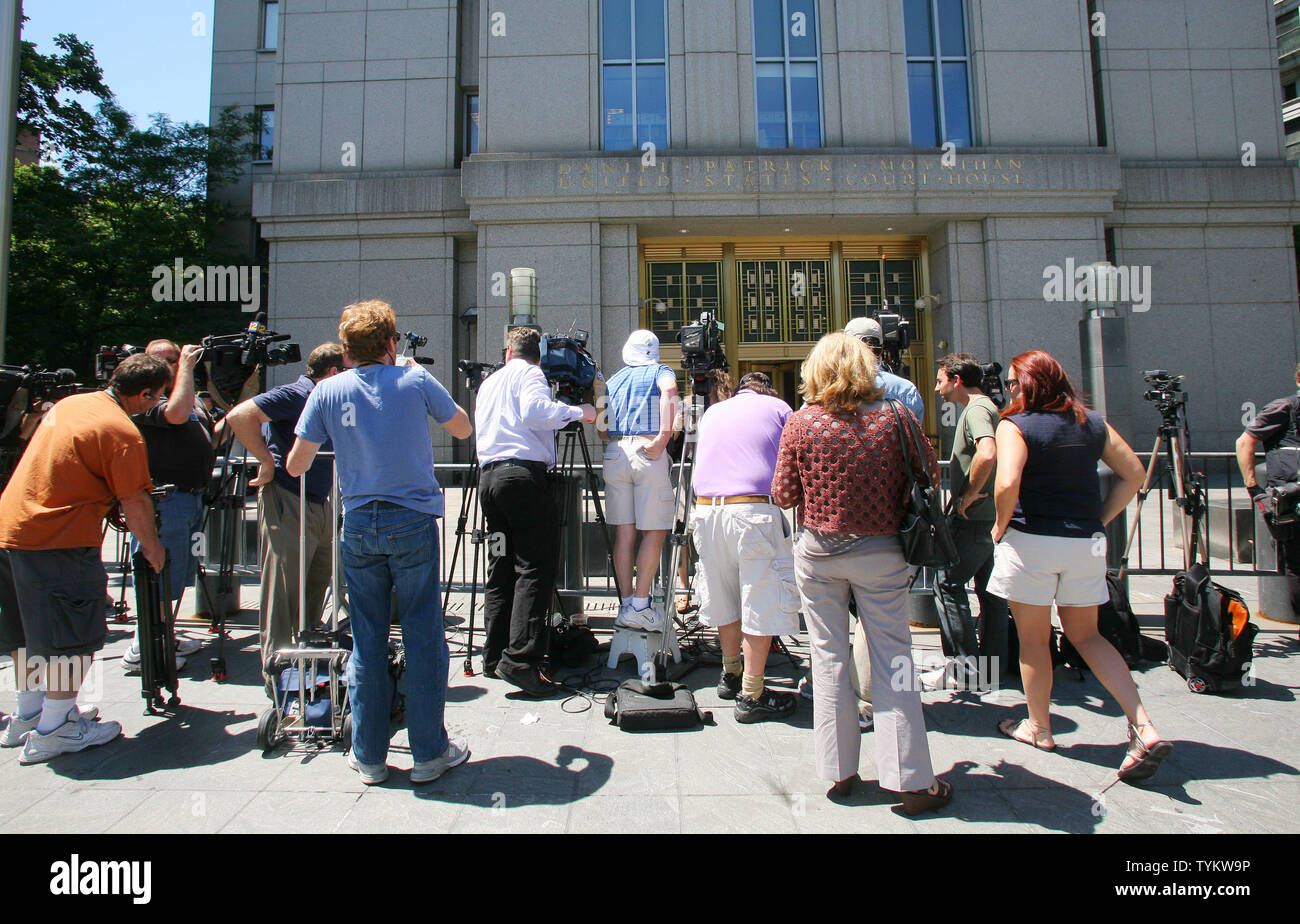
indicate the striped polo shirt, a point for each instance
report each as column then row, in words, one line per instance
column 633, row 400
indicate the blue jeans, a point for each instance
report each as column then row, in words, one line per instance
column 385, row 547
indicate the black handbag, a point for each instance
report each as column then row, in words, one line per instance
column 926, row 539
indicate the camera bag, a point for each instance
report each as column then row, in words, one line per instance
column 640, row 706
column 1117, row 625
column 1209, row 632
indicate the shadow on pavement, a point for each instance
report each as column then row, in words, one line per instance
column 516, row 780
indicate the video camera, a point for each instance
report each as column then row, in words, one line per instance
column 41, row 385
column 232, row 358
column 567, row 365
column 991, row 383
column 896, row 334
column 1166, row 390
column 702, row 345
column 475, row 373
column 108, row 358
column 1280, row 504
column 413, row 342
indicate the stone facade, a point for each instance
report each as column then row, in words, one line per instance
column 1136, row 139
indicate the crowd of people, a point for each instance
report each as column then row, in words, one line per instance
column 1026, row 512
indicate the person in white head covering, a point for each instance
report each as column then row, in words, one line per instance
column 638, row 423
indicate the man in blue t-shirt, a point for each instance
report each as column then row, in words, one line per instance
column 264, row 425
column 377, row 414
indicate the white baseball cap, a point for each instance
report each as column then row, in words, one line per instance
column 865, row 329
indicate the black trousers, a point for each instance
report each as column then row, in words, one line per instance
column 960, row 634
column 523, row 551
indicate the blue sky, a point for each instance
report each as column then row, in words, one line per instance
column 151, row 58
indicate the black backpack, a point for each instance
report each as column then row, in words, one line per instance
column 1209, row 632
column 1117, row 625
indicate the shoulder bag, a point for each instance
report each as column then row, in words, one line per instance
column 924, row 532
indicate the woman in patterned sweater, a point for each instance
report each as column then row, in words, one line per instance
column 841, row 462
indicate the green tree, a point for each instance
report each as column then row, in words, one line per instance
column 122, row 200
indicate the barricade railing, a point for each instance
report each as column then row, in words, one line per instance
column 1239, row 541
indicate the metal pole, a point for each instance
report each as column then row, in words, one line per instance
column 11, row 13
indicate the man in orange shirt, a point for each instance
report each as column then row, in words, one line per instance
column 85, row 454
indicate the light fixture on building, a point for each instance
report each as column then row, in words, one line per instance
column 684, row 230
column 889, row 229
column 523, row 296
column 1101, row 300
column 786, row 229
column 657, row 305
column 929, row 302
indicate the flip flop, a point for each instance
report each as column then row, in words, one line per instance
column 1010, row 731
column 1148, row 756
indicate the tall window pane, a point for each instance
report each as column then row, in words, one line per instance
column 649, row 29
column 471, row 124
column 952, row 29
column 270, row 23
column 265, row 132
column 956, row 104
column 769, row 86
column 924, row 111
column 805, row 121
column 801, row 26
column 938, row 72
column 619, row 130
column 634, row 74
column 768, row 28
column 616, row 30
column 917, row 28
column 652, row 105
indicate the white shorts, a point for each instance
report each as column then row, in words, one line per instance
column 1038, row 570
column 746, row 568
column 637, row 489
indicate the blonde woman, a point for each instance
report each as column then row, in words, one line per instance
column 841, row 462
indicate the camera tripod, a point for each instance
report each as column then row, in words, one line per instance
column 471, row 510
column 1186, row 490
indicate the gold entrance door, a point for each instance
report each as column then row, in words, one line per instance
column 784, row 376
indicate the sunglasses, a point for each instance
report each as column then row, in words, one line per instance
column 1011, row 382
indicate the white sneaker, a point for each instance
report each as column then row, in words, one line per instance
column 187, row 646
column 650, row 619
column 18, row 728
column 806, row 688
column 941, row 678
column 69, row 737
column 429, row 770
column 131, row 661
column 371, row 774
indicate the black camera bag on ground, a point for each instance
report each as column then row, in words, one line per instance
column 1209, row 632
column 1117, row 625
column 640, row 706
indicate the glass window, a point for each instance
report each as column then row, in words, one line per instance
column 270, row 23
column 471, row 124
column 634, row 88
column 265, row 132
column 787, row 87
column 938, row 85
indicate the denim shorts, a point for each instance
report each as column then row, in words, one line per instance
column 60, row 597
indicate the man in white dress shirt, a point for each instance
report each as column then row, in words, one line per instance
column 516, row 420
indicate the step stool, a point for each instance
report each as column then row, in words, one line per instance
column 641, row 645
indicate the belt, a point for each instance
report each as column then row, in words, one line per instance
column 632, row 436
column 735, row 499
column 537, row 468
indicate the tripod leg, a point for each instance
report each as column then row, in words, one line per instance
column 1141, row 499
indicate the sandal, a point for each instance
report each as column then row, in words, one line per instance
column 1011, row 729
column 1147, row 758
column 922, row 800
column 843, row 789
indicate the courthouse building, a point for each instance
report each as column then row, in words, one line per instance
column 788, row 165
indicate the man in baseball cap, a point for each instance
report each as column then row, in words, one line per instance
column 868, row 331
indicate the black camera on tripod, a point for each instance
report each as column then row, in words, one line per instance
column 567, row 365
column 701, row 342
column 108, row 358
column 991, row 383
column 1164, row 389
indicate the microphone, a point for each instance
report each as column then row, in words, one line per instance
column 256, row 327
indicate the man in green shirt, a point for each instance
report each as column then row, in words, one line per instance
column 979, row 648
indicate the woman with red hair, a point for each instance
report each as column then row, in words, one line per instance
column 1052, row 547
